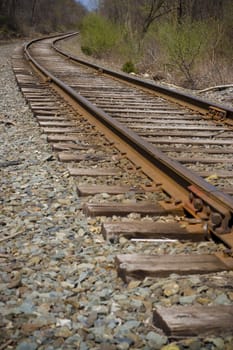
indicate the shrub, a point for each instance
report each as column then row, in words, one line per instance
column 129, row 67
column 99, row 35
column 87, row 50
column 184, row 44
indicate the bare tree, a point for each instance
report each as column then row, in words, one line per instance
column 136, row 15
column 153, row 10
column 34, row 3
column 199, row 9
column 44, row 15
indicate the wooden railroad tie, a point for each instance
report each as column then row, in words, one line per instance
column 67, row 146
column 57, row 124
column 123, row 209
column 140, row 266
column 60, row 130
column 93, row 171
column 47, row 118
column 157, row 230
column 67, row 156
column 91, row 190
column 73, row 137
column 180, row 321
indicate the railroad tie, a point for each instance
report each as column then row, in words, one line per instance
column 93, row 171
column 151, row 230
column 91, row 190
column 140, row 266
column 123, row 209
column 195, row 320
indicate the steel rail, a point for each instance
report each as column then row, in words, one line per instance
column 186, row 98
column 214, row 201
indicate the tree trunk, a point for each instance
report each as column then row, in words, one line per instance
column 34, row 3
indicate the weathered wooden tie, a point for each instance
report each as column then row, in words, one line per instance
column 64, row 138
column 50, row 118
column 91, row 190
column 139, row 266
column 43, row 104
column 56, row 124
column 122, row 209
column 181, row 321
column 93, row 171
column 42, row 109
column 60, row 130
column 74, row 157
column 65, row 146
column 147, row 229
column 198, row 149
column 190, row 141
column 202, row 160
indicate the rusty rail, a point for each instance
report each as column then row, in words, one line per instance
column 205, row 200
column 205, row 105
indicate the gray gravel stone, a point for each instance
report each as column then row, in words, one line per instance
column 68, row 295
column 27, row 346
column 156, row 340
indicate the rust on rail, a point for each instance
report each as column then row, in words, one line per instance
column 199, row 197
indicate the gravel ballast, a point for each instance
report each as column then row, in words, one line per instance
column 58, row 284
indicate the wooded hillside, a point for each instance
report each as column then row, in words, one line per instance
column 44, row 16
column 178, row 39
column 183, row 41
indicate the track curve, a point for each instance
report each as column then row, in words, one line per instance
column 125, row 108
column 190, row 137
column 138, row 192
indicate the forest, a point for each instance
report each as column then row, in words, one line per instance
column 23, row 17
column 188, row 42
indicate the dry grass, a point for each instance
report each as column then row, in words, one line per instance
column 208, row 72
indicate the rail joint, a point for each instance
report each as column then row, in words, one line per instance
column 216, row 113
column 217, row 216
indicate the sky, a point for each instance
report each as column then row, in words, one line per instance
column 88, row 3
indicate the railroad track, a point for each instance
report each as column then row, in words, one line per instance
column 144, row 157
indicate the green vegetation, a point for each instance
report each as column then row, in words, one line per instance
column 185, row 45
column 129, row 67
column 99, row 35
column 187, row 42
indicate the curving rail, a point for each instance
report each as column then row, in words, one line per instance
column 123, row 174
column 199, row 197
column 217, row 109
